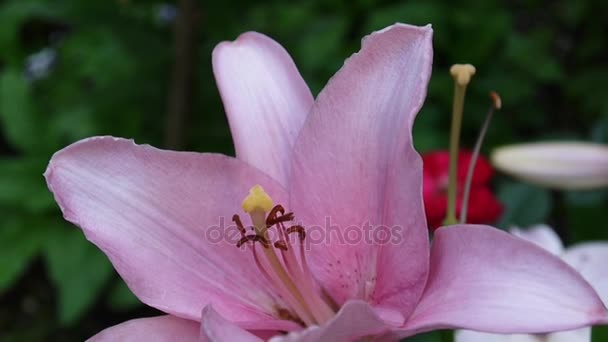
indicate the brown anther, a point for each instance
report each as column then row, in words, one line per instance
column 273, row 218
column 496, row 99
column 254, row 239
column 239, row 225
column 280, row 245
column 297, row 229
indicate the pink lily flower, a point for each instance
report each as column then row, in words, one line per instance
column 343, row 162
column 589, row 258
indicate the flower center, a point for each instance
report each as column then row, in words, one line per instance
column 288, row 274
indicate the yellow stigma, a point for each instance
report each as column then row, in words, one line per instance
column 462, row 73
column 257, row 199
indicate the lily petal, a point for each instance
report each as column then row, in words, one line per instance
column 476, row 336
column 164, row 220
column 154, row 329
column 356, row 174
column 355, row 320
column 214, row 328
column 265, row 98
column 559, row 165
column 591, row 260
column 485, row 279
column 542, row 236
column 578, row 335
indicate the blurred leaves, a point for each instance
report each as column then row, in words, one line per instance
column 599, row 334
column 20, row 122
column 22, row 183
column 121, row 298
column 19, row 243
column 78, row 269
column 525, row 205
column 110, row 75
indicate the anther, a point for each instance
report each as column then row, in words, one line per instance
column 297, row 229
column 280, row 245
column 273, row 218
column 239, row 225
column 496, row 99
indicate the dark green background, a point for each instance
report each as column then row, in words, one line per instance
column 113, row 75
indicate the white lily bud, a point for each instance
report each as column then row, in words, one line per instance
column 557, row 165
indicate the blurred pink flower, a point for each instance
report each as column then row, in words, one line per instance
column 341, row 163
column 589, row 258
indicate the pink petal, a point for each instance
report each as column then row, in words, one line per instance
column 164, row 220
column 559, row 165
column 475, row 336
column 542, row 236
column 578, row 335
column 215, row 328
column 265, row 98
column 153, row 329
column 487, row 280
column 354, row 321
column 591, row 260
column 355, row 170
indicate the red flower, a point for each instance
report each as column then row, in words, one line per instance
column 484, row 207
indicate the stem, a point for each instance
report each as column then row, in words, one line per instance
column 184, row 72
column 457, row 108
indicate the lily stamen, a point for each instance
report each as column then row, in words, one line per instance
column 289, row 277
column 496, row 105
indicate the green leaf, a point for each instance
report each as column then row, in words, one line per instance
column 599, row 334
column 426, row 136
column 525, row 205
column 13, row 14
column 121, row 298
column 23, row 186
column 434, row 336
column 587, row 222
column 78, row 269
column 19, row 243
column 22, row 125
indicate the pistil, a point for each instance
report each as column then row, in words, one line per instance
column 462, row 74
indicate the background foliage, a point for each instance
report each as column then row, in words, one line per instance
column 71, row 69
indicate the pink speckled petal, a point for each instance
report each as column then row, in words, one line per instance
column 357, row 180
